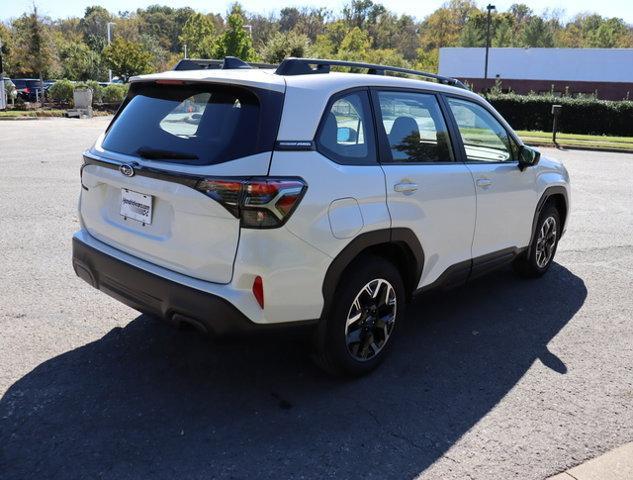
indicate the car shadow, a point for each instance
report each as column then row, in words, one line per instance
column 146, row 401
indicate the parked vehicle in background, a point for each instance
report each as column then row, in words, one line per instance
column 29, row 89
column 239, row 199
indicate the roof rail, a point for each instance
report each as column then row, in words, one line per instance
column 302, row 66
column 228, row 63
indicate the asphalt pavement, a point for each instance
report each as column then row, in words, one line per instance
column 504, row 378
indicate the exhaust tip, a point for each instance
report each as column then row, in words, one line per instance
column 179, row 320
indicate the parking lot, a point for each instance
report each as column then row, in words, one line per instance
column 504, row 378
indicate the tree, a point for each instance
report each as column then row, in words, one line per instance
column 283, row 45
column 521, row 13
column 609, row 34
column 127, row 59
column 537, row 33
column 472, row 36
column 6, row 40
column 312, row 22
column 440, row 29
column 197, row 34
column 33, row 50
column 361, row 13
column 503, row 33
column 79, row 62
column 264, row 27
column 355, row 43
column 236, row 40
column 289, row 18
column 427, row 61
column 165, row 24
column 94, row 26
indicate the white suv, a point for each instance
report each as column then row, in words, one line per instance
column 240, row 199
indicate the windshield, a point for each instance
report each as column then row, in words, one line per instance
column 198, row 124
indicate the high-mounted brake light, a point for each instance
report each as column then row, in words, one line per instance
column 258, row 203
column 170, row 82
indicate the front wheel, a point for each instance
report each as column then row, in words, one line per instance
column 540, row 255
column 362, row 323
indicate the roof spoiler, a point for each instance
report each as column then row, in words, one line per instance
column 228, row 63
column 303, row 66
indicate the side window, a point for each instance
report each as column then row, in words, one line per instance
column 485, row 139
column 346, row 134
column 414, row 127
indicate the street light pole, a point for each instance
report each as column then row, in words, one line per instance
column 110, row 24
column 3, row 93
column 490, row 8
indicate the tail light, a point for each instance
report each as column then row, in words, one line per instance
column 258, row 203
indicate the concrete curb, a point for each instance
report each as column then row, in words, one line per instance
column 614, row 465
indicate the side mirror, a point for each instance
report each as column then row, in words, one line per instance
column 528, row 157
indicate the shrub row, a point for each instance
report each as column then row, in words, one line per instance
column 62, row 91
column 579, row 115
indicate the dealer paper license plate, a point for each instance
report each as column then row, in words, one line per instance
column 136, row 206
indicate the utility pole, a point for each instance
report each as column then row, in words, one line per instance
column 490, row 8
column 3, row 93
column 110, row 24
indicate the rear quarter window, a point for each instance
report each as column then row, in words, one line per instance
column 198, row 124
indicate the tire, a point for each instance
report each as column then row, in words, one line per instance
column 357, row 349
column 540, row 255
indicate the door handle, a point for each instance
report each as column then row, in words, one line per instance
column 484, row 183
column 405, row 187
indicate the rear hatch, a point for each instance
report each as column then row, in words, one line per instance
column 146, row 182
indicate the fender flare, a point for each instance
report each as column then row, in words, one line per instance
column 547, row 193
column 403, row 238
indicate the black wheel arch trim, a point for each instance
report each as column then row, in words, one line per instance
column 547, row 194
column 402, row 238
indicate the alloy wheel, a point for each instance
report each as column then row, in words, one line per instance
column 371, row 319
column 546, row 242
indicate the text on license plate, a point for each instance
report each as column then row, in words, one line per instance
column 136, row 206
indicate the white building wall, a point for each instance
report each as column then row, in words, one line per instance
column 571, row 64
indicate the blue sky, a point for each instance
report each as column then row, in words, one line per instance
column 419, row 9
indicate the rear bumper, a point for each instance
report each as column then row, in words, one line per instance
column 156, row 295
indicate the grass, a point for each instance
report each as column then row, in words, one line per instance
column 31, row 113
column 572, row 140
column 41, row 113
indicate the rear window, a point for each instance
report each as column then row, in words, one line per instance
column 198, row 124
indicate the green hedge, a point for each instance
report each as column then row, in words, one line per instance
column 115, row 93
column 579, row 115
column 62, row 91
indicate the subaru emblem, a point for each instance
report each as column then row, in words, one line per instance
column 127, row 170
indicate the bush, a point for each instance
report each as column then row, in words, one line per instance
column 62, row 91
column 579, row 115
column 114, row 93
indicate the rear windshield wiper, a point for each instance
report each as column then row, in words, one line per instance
column 155, row 154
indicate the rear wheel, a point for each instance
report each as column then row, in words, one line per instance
column 539, row 257
column 360, row 328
